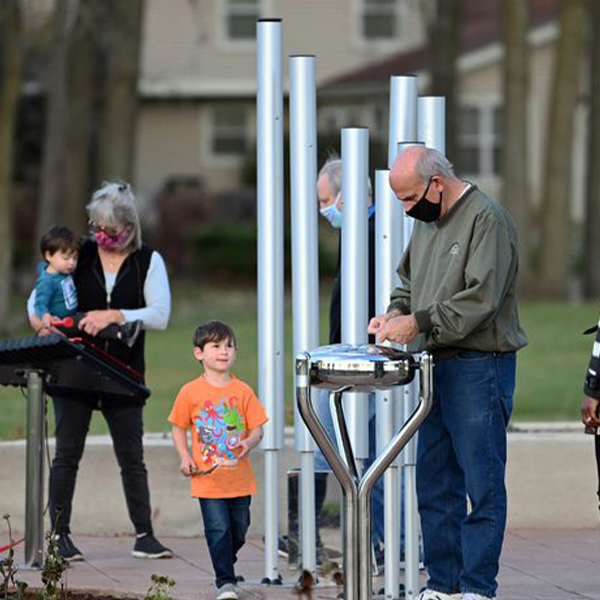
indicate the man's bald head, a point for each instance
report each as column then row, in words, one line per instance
column 421, row 162
column 419, row 169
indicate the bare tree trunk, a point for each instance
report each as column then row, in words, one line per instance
column 443, row 28
column 57, row 116
column 120, row 43
column 82, row 102
column 592, row 238
column 10, row 86
column 555, row 256
column 515, row 150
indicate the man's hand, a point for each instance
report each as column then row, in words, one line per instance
column 376, row 323
column 401, row 329
column 589, row 411
column 97, row 320
column 187, row 466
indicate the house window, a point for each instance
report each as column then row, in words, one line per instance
column 379, row 19
column 240, row 19
column 479, row 140
column 229, row 130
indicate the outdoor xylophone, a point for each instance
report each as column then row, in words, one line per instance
column 59, row 366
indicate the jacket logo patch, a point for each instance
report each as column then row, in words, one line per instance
column 454, row 249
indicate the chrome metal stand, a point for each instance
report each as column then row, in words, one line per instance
column 34, row 485
column 356, row 490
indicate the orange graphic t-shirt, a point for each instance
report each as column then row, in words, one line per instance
column 219, row 417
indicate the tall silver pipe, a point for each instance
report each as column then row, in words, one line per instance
column 387, row 256
column 270, row 267
column 409, row 459
column 432, row 133
column 34, row 484
column 349, row 489
column 432, row 122
column 404, row 129
column 305, row 268
column 403, row 113
column 355, row 248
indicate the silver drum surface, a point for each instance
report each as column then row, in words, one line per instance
column 366, row 367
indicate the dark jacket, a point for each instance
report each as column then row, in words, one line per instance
column 335, row 310
column 128, row 293
column 591, row 387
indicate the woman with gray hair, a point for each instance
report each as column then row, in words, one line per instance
column 118, row 280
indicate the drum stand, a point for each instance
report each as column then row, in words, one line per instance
column 357, row 490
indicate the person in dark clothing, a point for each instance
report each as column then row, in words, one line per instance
column 118, row 280
column 591, row 388
column 329, row 187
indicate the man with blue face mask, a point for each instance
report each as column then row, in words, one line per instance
column 329, row 188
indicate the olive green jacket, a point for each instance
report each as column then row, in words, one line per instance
column 459, row 278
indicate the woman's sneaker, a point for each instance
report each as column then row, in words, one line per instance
column 147, row 546
column 66, row 548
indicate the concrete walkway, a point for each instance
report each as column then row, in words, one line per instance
column 552, row 549
column 536, row 564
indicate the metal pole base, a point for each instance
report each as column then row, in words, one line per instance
column 357, row 490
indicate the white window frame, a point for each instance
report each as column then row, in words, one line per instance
column 224, row 160
column 358, row 10
column 224, row 42
column 486, row 137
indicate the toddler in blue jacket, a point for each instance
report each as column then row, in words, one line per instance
column 55, row 291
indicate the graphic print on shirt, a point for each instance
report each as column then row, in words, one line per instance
column 69, row 293
column 219, row 430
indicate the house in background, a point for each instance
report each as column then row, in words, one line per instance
column 198, row 74
column 197, row 117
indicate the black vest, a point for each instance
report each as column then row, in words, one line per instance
column 128, row 293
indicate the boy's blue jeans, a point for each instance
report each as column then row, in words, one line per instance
column 462, row 451
column 226, row 521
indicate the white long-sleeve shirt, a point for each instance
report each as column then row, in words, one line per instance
column 157, row 294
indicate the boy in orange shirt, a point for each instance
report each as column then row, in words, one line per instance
column 226, row 420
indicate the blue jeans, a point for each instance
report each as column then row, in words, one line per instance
column 226, row 521
column 324, row 414
column 462, row 452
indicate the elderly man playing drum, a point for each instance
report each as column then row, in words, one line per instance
column 458, row 300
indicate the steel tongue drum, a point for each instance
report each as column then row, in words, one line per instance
column 365, row 367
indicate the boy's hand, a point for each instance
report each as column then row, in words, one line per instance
column 188, row 466
column 245, row 447
column 47, row 320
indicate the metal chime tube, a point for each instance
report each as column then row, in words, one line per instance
column 305, row 269
column 432, row 122
column 270, row 268
column 355, row 164
column 387, row 255
column 403, row 129
column 431, row 132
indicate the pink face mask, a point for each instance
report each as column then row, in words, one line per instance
column 113, row 242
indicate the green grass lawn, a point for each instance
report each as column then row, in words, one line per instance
column 550, row 369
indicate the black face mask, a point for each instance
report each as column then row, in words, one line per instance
column 424, row 210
